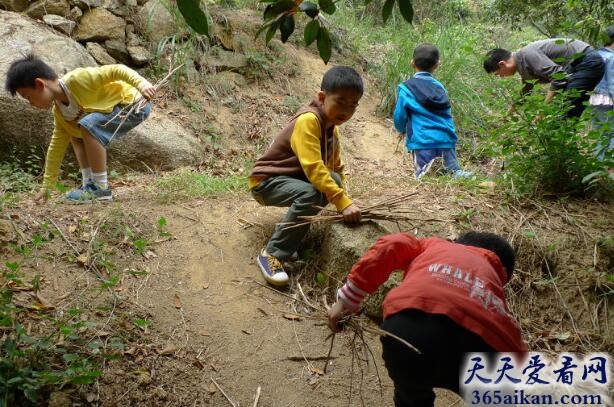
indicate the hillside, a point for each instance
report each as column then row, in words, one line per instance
column 163, row 280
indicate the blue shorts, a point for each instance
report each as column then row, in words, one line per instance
column 105, row 127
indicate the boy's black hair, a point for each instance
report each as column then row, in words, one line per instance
column 342, row 77
column 426, row 57
column 495, row 244
column 23, row 73
column 609, row 31
column 491, row 63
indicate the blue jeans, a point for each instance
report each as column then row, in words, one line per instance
column 301, row 198
column 423, row 157
column 105, row 127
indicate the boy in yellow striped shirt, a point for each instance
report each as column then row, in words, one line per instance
column 86, row 105
column 302, row 168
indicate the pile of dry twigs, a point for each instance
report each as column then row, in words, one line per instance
column 391, row 209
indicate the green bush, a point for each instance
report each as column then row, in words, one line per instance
column 547, row 153
column 30, row 366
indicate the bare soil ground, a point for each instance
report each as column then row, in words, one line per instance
column 198, row 328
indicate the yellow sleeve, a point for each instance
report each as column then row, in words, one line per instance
column 89, row 79
column 337, row 162
column 305, row 142
column 110, row 73
column 55, row 155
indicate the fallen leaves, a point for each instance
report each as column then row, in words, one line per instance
column 168, row 350
column 211, row 388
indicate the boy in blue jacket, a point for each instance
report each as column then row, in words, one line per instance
column 424, row 115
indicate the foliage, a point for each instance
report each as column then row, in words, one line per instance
column 19, row 176
column 44, row 348
column 545, row 152
column 194, row 16
column 576, row 18
column 31, row 365
column 188, row 184
column 280, row 15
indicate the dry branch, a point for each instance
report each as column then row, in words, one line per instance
column 392, row 209
column 139, row 103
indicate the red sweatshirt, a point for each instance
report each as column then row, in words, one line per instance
column 462, row 282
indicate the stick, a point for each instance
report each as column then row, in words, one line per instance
column 332, row 341
column 225, row 395
column 257, row 397
column 300, row 358
column 286, row 295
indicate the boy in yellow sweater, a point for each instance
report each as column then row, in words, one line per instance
column 86, row 105
column 302, row 168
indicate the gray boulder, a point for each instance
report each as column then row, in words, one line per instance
column 39, row 8
column 100, row 24
column 155, row 22
column 60, row 23
column 158, row 143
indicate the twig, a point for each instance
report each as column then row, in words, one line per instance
column 257, row 396
column 330, row 350
column 286, row 295
column 222, row 391
column 300, row 348
column 300, row 289
column 138, row 103
column 64, row 237
column 301, row 358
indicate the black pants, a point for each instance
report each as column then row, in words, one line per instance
column 442, row 343
column 584, row 74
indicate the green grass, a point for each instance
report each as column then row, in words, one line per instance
column 189, row 185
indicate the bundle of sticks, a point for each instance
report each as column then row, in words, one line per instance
column 140, row 102
column 392, row 209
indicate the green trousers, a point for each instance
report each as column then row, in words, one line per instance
column 301, row 198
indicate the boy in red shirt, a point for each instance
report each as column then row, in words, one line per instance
column 451, row 301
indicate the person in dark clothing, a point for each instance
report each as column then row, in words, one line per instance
column 565, row 64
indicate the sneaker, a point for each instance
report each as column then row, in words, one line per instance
column 272, row 269
column 462, row 174
column 88, row 194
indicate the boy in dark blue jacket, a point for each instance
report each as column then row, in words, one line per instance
column 423, row 114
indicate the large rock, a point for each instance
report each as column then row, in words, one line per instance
column 100, row 24
column 155, row 22
column 157, row 143
column 342, row 246
column 41, row 7
column 99, row 53
column 24, row 127
column 60, row 23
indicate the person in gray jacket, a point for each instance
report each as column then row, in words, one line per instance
column 565, row 64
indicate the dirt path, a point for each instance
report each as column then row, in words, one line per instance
column 242, row 331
